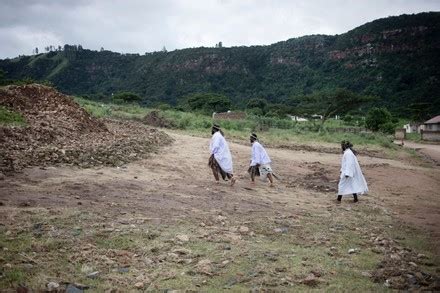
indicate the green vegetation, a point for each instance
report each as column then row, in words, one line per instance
column 276, row 130
column 364, row 61
column 126, row 97
column 10, row 117
column 330, row 103
column 206, row 103
column 379, row 119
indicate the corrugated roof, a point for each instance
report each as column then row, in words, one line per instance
column 434, row 120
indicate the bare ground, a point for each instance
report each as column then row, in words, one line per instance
column 161, row 223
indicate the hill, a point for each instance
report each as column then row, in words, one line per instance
column 395, row 58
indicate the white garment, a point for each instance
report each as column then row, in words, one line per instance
column 355, row 182
column 220, row 149
column 265, row 170
column 259, row 155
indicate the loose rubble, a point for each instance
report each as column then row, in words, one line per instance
column 59, row 131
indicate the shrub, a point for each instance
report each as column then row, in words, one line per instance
column 376, row 117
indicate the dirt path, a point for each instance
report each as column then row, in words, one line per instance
column 432, row 151
column 176, row 187
column 179, row 182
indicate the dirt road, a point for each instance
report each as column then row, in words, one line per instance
column 431, row 151
column 173, row 193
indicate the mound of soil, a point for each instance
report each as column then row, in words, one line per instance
column 154, row 118
column 59, row 131
column 317, row 179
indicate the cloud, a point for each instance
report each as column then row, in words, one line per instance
column 139, row 26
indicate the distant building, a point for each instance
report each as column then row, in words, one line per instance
column 413, row 127
column 229, row 115
column 297, row 118
column 433, row 124
column 432, row 129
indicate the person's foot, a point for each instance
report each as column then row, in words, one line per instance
column 271, row 185
column 217, row 182
column 232, row 181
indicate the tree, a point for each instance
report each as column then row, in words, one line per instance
column 418, row 112
column 377, row 119
column 329, row 103
column 206, row 103
column 257, row 103
column 126, row 97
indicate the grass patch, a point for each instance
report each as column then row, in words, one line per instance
column 271, row 129
column 416, row 137
column 9, row 117
column 12, row 278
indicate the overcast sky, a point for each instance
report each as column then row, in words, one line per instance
column 139, row 26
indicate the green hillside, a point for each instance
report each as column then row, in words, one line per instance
column 395, row 58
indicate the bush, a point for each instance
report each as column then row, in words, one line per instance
column 376, row 117
column 126, row 97
column 387, row 127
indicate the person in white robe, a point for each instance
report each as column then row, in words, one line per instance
column 352, row 181
column 260, row 161
column 220, row 160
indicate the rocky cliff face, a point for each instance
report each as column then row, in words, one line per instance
column 378, row 58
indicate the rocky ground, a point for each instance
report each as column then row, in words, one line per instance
column 160, row 224
column 58, row 131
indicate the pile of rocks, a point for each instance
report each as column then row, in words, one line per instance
column 59, row 131
column 402, row 268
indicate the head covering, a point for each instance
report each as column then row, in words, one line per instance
column 345, row 144
column 216, row 127
column 254, row 136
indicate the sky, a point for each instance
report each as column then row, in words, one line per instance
column 139, row 26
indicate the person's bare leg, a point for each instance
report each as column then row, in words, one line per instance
column 252, row 178
column 270, row 179
column 217, row 179
column 232, row 180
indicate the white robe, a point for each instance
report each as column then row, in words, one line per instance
column 355, row 182
column 220, row 149
column 259, row 155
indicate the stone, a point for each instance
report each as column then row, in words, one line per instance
column 243, row 229
column 281, row 230
column 93, row 275
column 52, row 286
column 366, row 274
column 123, row 270
column 182, row 251
column 182, row 238
column 352, row 250
column 310, row 280
column 139, row 285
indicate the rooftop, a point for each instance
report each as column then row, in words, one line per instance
column 434, row 120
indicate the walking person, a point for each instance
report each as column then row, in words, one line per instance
column 352, row 181
column 220, row 160
column 260, row 162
